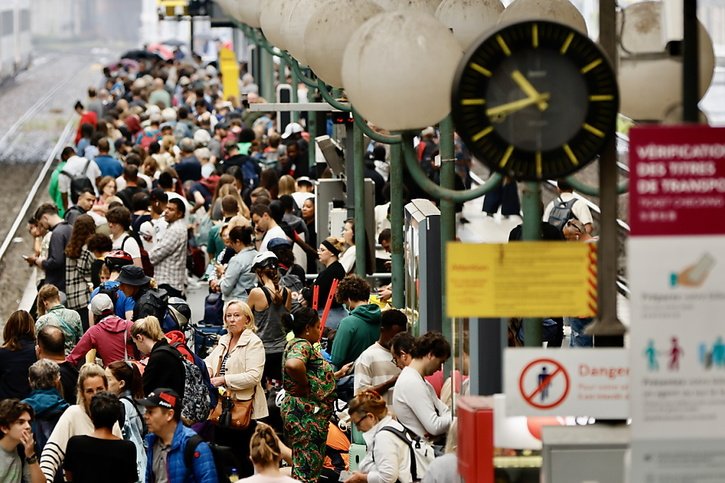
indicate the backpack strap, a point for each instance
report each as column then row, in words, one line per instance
column 267, row 295
column 190, row 449
column 403, row 437
column 85, row 168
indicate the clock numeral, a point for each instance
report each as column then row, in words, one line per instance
column 506, row 156
column 481, row 134
column 480, row 69
column 538, row 164
column 601, row 98
column 593, row 130
column 503, row 45
column 535, row 35
column 473, row 102
column 591, row 66
column 571, row 155
column 567, row 43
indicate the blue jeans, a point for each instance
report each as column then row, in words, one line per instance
column 578, row 339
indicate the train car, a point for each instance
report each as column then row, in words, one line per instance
column 15, row 37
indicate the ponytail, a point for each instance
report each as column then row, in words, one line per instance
column 264, row 447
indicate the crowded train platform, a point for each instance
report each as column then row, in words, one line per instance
column 200, row 302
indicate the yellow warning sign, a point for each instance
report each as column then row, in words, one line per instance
column 522, row 279
column 230, row 73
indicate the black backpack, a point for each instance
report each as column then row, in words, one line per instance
column 112, row 293
column 154, row 301
column 79, row 183
column 561, row 212
column 224, row 458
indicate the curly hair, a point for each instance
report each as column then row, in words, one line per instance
column 354, row 288
column 83, row 228
column 431, row 343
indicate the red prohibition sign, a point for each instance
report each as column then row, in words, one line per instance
column 558, row 369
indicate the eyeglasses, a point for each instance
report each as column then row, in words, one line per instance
column 357, row 423
column 573, row 225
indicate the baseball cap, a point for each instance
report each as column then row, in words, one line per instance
column 162, row 397
column 278, row 242
column 264, row 259
column 291, row 129
column 133, row 275
column 101, row 303
column 305, row 180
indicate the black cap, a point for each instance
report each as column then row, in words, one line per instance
column 162, row 397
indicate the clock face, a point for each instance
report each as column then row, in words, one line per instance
column 535, row 100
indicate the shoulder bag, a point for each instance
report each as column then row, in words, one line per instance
column 230, row 412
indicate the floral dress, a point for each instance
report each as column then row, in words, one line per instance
column 306, row 419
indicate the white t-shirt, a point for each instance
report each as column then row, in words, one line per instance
column 347, row 259
column 580, row 208
column 128, row 245
column 74, row 167
column 272, row 233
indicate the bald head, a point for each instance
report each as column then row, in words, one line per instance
column 51, row 341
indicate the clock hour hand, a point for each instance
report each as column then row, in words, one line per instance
column 504, row 110
column 528, row 88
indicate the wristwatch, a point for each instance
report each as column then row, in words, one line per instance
column 31, row 460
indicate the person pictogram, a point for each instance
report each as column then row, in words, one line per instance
column 544, row 383
column 651, row 353
column 675, row 354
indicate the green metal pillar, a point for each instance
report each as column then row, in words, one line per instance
column 532, row 232
column 266, row 83
column 295, row 96
column 358, row 150
column 396, row 225
column 312, row 129
column 448, row 210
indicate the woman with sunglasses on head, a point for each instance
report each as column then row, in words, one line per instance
column 124, row 380
column 388, row 457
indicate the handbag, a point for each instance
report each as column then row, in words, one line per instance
column 232, row 413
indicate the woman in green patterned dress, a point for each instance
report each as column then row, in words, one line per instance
column 309, row 384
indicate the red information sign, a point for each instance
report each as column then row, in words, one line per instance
column 677, row 180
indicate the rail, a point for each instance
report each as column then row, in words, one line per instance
column 22, row 213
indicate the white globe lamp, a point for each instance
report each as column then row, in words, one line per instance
column 328, row 32
column 398, row 69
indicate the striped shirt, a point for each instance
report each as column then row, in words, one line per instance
column 373, row 367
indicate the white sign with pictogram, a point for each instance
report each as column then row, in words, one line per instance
column 586, row 382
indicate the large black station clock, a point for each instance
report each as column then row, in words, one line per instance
column 535, row 100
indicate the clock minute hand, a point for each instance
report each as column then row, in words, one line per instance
column 510, row 107
column 528, row 88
